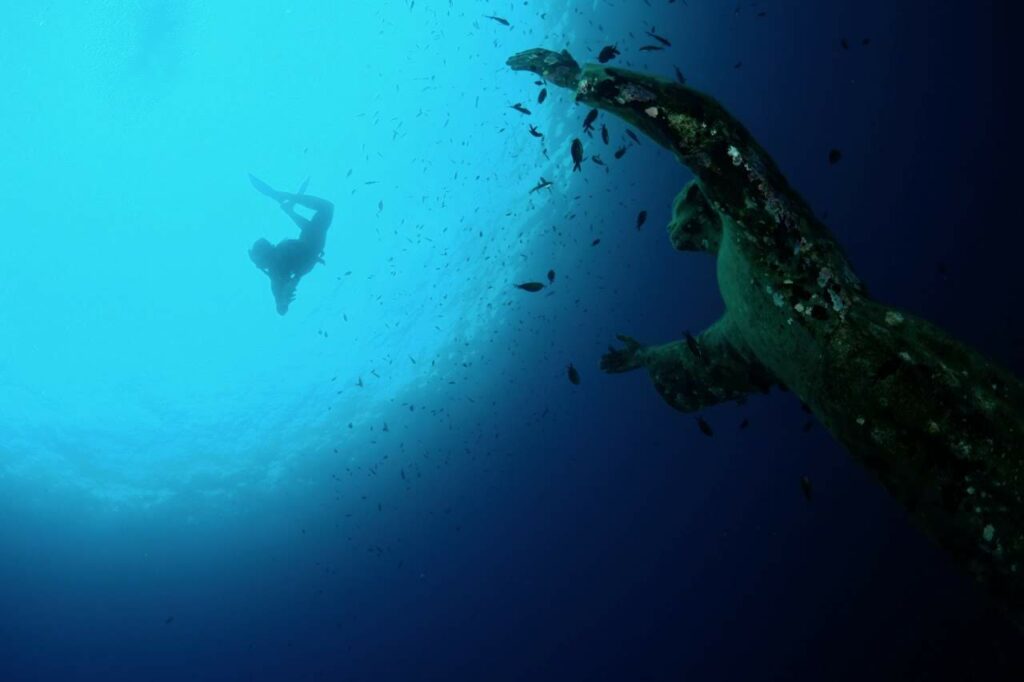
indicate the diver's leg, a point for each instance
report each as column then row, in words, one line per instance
column 324, row 210
column 289, row 208
column 311, row 202
column 696, row 372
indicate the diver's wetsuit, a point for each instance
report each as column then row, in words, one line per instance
column 290, row 259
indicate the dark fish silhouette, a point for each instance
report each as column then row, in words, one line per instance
column 503, row 22
column 805, row 486
column 704, row 427
column 543, row 184
column 679, row 76
column 608, row 53
column 520, row 108
column 542, row 96
column 574, row 375
column 663, row 41
column 651, row 48
column 620, row 152
column 744, row 424
column 834, row 156
column 577, row 154
column 535, row 132
column 551, row 276
column 604, row 133
column 597, row 159
column 641, row 218
column 168, row 620
column 595, row 242
column 694, row 347
column 632, row 136
column 532, row 287
column 588, row 122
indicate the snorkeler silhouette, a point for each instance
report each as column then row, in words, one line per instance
column 287, row 262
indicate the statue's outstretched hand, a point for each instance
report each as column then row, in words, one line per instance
column 557, row 67
column 622, row 359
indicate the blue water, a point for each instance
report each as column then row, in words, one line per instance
column 193, row 487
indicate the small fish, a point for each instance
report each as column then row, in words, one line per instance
column 620, row 152
column 500, row 20
column 551, row 276
column 704, row 427
column 574, row 375
column 632, row 136
column 543, row 184
column 608, row 53
column 532, row 287
column 641, row 218
column 663, row 41
column 520, row 108
column 679, row 76
column 694, row 347
column 834, row 156
column 845, row 44
column 588, row 122
column 595, row 242
column 577, row 154
column 651, row 48
column 535, row 132
column 604, row 133
column 168, row 620
column 806, row 488
column 542, row 96
column 737, row 65
column 597, row 159
column 744, row 424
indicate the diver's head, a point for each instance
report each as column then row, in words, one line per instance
column 261, row 253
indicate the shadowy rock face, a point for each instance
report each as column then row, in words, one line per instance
column 941, row 427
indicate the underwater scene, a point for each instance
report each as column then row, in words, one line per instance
column 626, row 340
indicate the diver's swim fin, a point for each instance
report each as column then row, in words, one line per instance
column 266, row 190
column 263, row 188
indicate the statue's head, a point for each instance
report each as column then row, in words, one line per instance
column 695, row 225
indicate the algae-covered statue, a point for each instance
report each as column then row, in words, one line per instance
column 940, row 426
